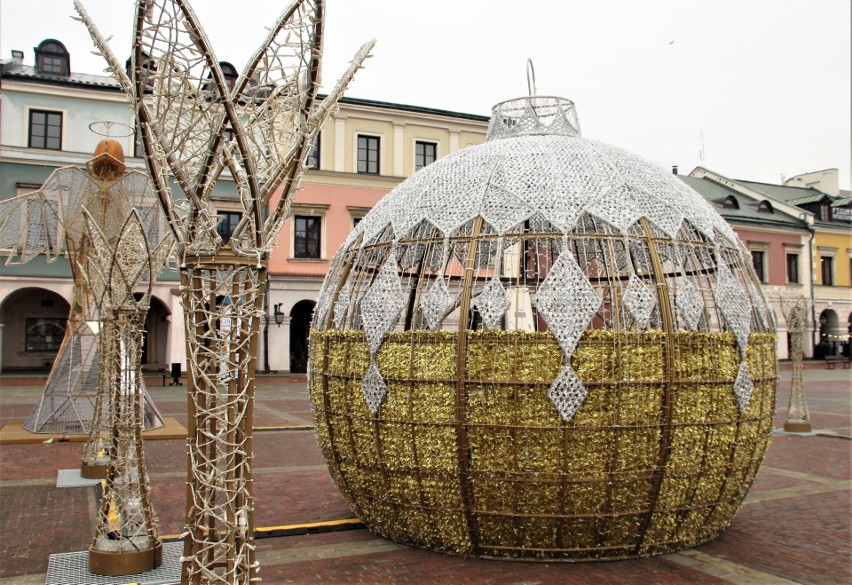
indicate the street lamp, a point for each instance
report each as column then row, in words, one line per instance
column 279, row 315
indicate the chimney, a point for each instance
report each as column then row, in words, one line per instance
column 674, row 169
column 13, row 64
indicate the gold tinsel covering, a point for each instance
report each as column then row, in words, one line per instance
column 657, row 459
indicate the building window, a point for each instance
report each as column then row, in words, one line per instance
column 51, row 64
column 230, row 73
column 45, row 130
column 230, row 220
column 731, row 202
column 758, row 258
column 26, row 188
column 368, row 154
column 357, row 213
column 44, row 334
column 765, row 207
column 313, row 160
column 52, row 58
column 826, row 264
column 306, row 240
column 792, row 268
column 425, row 153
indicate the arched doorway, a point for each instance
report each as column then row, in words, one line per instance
column 830, row 334
column 156, row 333
column 300, row 328
column 35, row 320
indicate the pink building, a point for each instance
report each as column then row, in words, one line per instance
column 362, row 154
column 778, row 235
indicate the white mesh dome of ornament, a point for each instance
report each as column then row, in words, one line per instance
column 543, row 347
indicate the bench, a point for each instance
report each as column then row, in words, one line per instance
column 165, row 371
column 832, row 360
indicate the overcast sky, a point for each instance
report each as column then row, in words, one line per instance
column 767, row 82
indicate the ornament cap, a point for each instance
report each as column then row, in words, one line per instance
column 534, row 115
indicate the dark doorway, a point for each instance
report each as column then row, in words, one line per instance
column 300, row 328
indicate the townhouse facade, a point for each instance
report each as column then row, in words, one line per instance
column 365, row 150
column 800, row 237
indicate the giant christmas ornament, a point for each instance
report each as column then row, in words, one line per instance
column 543, row 347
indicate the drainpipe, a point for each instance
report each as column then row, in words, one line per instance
column 815, row 332
column 266, row 369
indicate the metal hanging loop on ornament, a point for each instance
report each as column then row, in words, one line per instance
column 530, row 78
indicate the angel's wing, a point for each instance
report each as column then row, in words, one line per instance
column 46, row 220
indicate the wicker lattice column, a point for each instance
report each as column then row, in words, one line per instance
column 223, row 299
column 798, row 418
column 126, row 540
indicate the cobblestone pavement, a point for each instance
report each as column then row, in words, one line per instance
column 795, row 526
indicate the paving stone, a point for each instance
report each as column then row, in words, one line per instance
column 795, row 527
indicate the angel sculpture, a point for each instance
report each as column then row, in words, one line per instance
column 195, row 127
column 51, row 221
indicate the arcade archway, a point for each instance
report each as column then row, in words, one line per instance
column 34, row 322
column 300, row 328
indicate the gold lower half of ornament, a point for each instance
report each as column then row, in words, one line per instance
column 658, row 458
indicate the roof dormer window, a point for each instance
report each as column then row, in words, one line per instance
column 765, row 207
column 731, row 202
column 230, row 74
column 148, row 68
column 52, row 58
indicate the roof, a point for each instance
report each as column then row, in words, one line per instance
column 800, row 196
column 784, row 192
column 106, row 82
column 716, row 194
column 807, row 200
column 25, row 72
column 410, row 108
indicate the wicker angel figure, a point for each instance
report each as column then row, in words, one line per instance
column 195, row 126
column 51, row 221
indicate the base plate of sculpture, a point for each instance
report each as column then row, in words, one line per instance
column 798, row 427
column 72, row 568
column 93, row 471
column 125, row 562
